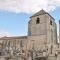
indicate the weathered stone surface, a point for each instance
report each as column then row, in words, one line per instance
column 42, row 35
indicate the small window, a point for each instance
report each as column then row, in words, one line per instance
column 37, row 21
column 50, row 22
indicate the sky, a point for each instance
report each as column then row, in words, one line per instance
column 15, row 14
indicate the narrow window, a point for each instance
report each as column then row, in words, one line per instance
column 50, row 22
column 37, row 21
column 21, row 43
column 8, row 43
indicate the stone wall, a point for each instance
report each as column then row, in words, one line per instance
column 37, row 29
column 38, row 42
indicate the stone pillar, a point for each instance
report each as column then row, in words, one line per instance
column 58, row 50
column 59, row 33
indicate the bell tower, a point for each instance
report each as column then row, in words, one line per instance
column 42, row 28
column 37, row 24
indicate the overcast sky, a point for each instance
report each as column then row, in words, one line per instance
column 14, row 14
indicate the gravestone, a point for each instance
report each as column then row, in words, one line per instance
column 58, row 54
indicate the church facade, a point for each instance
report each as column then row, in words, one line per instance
column 42, row 36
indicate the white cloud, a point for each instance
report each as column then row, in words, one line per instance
column 28, row 6
column 4, row 33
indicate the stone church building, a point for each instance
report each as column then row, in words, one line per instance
column 42, row 36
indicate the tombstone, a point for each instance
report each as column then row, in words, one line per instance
column 44, row 54
column 58, row 54
column 2, row 52
column 29, row 58
column 2, row 58
column 11, row 52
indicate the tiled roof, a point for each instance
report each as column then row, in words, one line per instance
column 10, row 38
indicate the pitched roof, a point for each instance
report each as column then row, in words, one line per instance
column 10, row 38
column 40, row 13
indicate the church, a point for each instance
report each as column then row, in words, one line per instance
column 41, row 37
